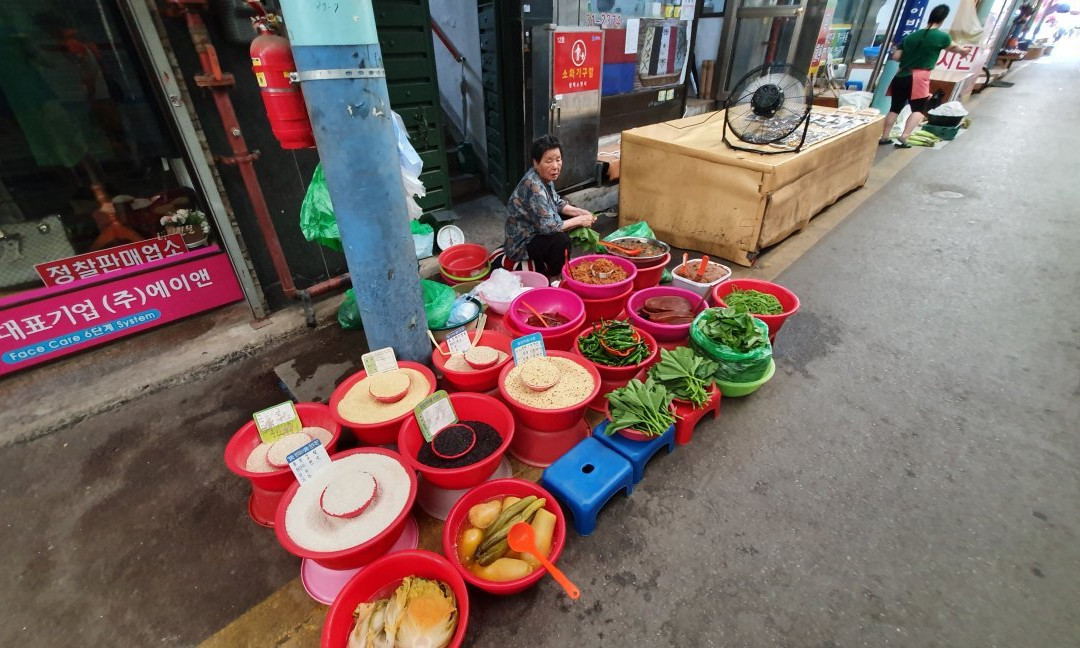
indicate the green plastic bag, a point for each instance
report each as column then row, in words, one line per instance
column 640, row 229
column 438, row 302
column 317, row 220
column 734, row 366
column 665, row 278
column 348, row 314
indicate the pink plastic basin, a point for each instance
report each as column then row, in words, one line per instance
column 458, row 517
column 480, row 380
column 546, row 300
column 662, row 332
column 606, row 308
column 550, row 420
column 620, row 374
column 363, row 553
column 599, row 291
column 384, row 432
column 380, row 579
column 469, row 407
column 649, row 276
column 787, row 300
column 268, row 487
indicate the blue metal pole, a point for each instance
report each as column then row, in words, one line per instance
column 337, row 56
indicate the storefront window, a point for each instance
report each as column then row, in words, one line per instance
column 86, row 160
column 761, row 41
column 645, row 43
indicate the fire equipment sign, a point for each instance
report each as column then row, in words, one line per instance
column 578, row 57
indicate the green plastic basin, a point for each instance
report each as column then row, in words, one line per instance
column 734, row 389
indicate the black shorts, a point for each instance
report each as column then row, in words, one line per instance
column 901, row 94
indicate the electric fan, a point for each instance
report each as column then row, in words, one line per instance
column 766, row 107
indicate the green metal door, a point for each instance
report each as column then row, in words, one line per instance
column 408, row 55
column 500, row 65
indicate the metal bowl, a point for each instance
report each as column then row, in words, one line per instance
column 641, row 259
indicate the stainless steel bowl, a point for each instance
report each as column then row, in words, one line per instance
column 641, row 259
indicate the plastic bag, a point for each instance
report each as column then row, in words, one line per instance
column 966, row 27
column 857, row 100
column 502, row 286
column 438, row 302
column 348, row 314
column 665, row 278
column 640, row 229
column 423, row 236
column 734, row 366
column 411, row 168
column 317, row 220
column 463, row 310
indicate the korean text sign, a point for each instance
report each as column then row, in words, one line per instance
column 577, row 59
column 54, row 326
column 91, row 264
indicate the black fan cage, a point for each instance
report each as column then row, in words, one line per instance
column 767, row 105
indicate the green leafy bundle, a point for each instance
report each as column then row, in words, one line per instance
column 754, row 301
column 586, row 239
column 614, row 343
column 645, row 407
column 685, row 374
column 732, row 327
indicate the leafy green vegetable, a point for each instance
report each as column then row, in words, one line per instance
column 586, row 239
column 685, row 374
column 732, row 327
column 614, row 343
column 645, row 407
column 756, row 302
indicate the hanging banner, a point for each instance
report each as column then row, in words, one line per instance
column 821, row 50
column 576, row 61
column 911, row 19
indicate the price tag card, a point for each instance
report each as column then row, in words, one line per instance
column 435, row 413
column 528, row 347
column 458, row 341
column 308, row 461
column 379, row 361
column 277, row 421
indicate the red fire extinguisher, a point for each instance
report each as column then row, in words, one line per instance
column 272, row 62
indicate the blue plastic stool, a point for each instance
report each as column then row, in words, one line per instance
column 585, row 478
column 637, row 453
column 853, row 85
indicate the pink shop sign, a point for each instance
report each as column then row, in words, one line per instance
column 54, row 326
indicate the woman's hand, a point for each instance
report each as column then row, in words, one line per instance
column 583, row 220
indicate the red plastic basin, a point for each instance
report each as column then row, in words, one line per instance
column 599, row 291
column 545, row 300
column 268, row 487
column 649, row 276
column 550, row 420
column 464, row 261
column 480, row 380
column 787, row 300
column 620, row 374
column 662, row 332
column 363, row 553
column 552, row 341
column 606, row 308
column 458, row 517
column 380, row 579
column 469, row 407
column 384, row 432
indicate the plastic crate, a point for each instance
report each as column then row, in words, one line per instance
column 944, row 132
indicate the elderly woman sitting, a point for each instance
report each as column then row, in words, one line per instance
column 537, row 218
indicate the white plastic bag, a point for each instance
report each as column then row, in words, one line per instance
column 898, row 127
column 857, row 100
column 966, row 27
column 951, row 109
column 411, row 167
column 502, row 286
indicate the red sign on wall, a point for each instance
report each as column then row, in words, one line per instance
column 577, row 58
column 91, row 264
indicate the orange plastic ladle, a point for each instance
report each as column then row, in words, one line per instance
column 523, row 540
column 618, row 248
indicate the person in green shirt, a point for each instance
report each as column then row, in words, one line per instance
column 918, row 54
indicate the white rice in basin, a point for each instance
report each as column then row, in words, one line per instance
column 309, row 527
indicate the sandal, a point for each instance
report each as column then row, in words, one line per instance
column 883, row 141
column 902, row 144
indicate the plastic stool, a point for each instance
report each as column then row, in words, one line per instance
column 689, row 416
column 853, row 85
column 586, row 478
column 637, row 453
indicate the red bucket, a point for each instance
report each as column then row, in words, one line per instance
column 552, row 341
column 479, row 380
column 787, row 299
column 605, row 308
column 380, row 579
column 268, row 487
column 383, row 432
column 649, row 276
column 620, row 375
column 463, row 262
column 469, row 407
column 550, row 420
